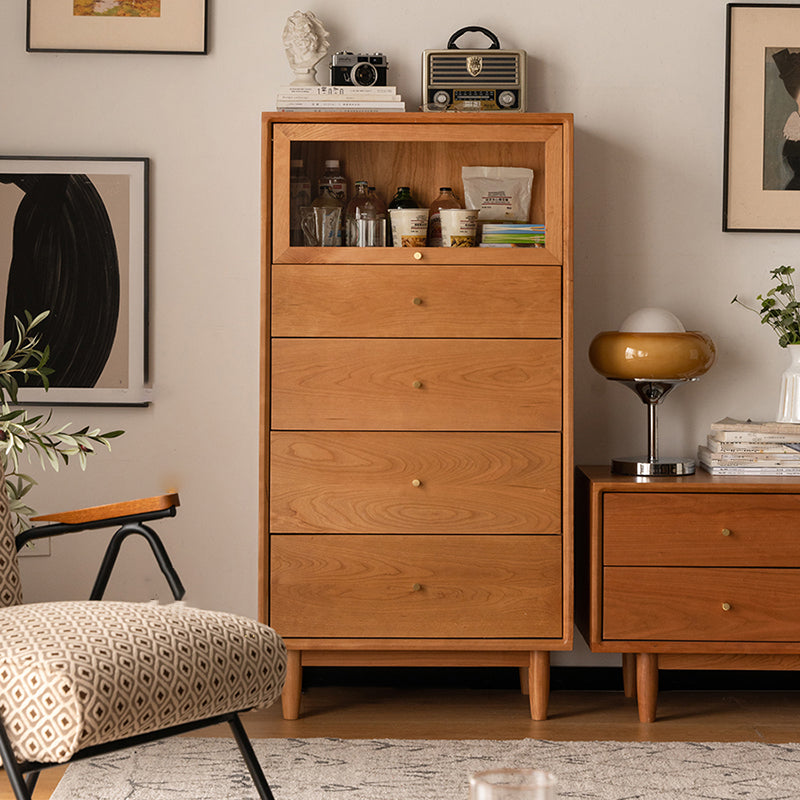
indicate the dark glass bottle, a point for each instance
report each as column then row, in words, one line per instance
column 401, row 199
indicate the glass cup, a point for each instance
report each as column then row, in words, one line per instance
column 320, row 225
column 512, row 784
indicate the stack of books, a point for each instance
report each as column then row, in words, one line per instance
column 512, row 234
column 339, row 98
column 736, row 447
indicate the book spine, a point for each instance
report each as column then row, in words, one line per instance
column 323, row 92
column 336, row 103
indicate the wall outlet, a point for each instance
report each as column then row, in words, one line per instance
column 37, row 547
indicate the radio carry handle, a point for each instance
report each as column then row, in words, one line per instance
column 451, row 42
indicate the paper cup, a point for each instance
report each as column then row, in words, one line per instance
column 459, row 226
column 409, row 226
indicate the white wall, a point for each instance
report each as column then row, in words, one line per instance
column 645, row 81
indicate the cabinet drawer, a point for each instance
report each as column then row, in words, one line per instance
column 415, row 482
column 431, row 301
column 416, row 586
column 685, row 604
column 689, row 529
column 416, row 384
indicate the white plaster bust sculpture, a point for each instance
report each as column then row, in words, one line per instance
column 306, row 43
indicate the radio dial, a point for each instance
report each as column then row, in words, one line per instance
column 506, row 99
column 441, row 99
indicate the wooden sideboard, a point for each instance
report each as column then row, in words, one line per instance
column 696, row 572
column 415, row 470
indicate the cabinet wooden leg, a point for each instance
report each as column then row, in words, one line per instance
column 292, row 689
column 539, row 683
column 523, row 680
column 629, row 674
column 647, row 685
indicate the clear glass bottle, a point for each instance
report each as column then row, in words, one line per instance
column 446, row 199
column 365, row 223
column 299, row 197
column 401, row 199
column 334, row 179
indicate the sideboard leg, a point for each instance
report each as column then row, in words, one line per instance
column 524, row 680
column 647, row 685
column 539, row 683
column 629, row 674
column 292, row 689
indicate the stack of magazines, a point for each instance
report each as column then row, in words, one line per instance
column 736, row 447
column 339, row 98
column 512, row 234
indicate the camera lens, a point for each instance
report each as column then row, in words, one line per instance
column 364, row 74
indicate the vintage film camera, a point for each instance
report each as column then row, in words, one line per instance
column 358, row 69
column 474, row 80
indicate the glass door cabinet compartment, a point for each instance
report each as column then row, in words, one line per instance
column 425, row 152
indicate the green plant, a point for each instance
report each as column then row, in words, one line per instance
column 23, row 433
column 780, row 308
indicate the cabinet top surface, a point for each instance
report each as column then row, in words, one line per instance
column 429, row 117
column 603, row 480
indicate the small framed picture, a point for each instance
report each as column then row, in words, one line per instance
column 762, row 118
column 73, row 242
column 118, row 26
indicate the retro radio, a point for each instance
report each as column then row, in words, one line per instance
column 473, row 80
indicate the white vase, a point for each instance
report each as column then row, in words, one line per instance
column 789, row 404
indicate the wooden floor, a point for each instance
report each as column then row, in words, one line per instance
column 434, row 712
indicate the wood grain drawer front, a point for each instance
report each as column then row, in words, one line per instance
column 685, row 604
column 432, row 301
column 416, row 586
column 673, row 529
column 326, row 482
column 416, row 384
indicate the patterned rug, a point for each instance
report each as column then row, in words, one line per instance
column 389, row 769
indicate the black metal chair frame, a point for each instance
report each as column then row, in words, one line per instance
column 23, row 776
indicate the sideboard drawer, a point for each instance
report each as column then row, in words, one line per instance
column 432, row 301
column 416, row 384
column 673, row 529
column 684, row 604
column 416, row 586
column 390, row 482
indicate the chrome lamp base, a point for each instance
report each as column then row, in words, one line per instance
column 651, row 393
column 660, row 468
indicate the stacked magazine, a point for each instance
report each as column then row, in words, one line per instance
column 339, row 98
column 736, row 447
column 512, row 234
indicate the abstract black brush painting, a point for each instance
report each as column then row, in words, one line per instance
column 74, row 243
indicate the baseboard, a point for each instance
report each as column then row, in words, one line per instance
column 561, row 678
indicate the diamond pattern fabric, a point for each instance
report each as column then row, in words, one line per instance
column 10, row 584
column 76, row 674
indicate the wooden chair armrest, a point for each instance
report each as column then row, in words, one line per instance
column 81, row 516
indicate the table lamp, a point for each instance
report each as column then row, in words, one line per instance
column 652, row 353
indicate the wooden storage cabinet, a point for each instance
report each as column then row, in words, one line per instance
column 698, row 572
column 415, row 479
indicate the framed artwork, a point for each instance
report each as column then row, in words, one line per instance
column 118, row 26
column 762, row 123
column 74, row 242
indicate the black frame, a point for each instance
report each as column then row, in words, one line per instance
column 30, row 49
column 726, row 226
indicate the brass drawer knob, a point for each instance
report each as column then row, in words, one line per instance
column 417, row 301
column 417, row 256
column 726, row 531
column 417, row 587
column 416, row 482
column 726, row 606
column 417, row 384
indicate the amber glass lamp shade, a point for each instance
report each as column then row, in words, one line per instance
column 652, row 363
